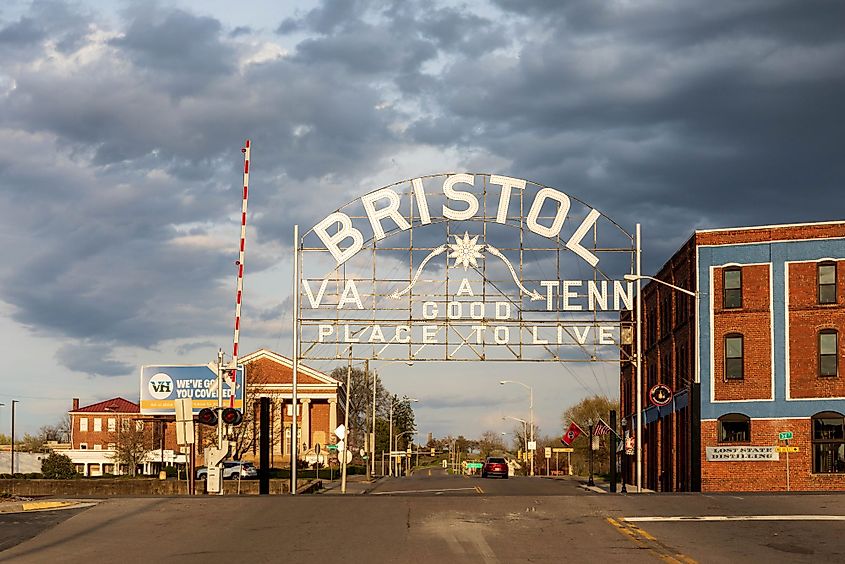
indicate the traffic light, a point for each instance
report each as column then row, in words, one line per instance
column 232, row 416
column 207, row 416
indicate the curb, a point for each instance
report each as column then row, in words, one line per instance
column 31, row 506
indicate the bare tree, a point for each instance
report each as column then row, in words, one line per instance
column 245, row 436
column 132, row 442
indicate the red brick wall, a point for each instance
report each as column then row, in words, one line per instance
column 727, row 237
column 806, row 318
column 769, row 475
column 104, row 437
column 753, row 321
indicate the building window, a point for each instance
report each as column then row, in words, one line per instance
column 828, row 443
column 828, row 357
column 827, row 283
column 124, row 424
column 734, row 428
column 112, row 424
column 732, row 288
column 139, row 426
column 83, row 424
column 98, row 425
column 733, row 357
column 83, row 446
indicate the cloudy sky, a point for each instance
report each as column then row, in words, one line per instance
column 121, row 126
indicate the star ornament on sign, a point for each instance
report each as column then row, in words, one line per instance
column 466, row 251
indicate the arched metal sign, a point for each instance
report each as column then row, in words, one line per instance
column 464, row 267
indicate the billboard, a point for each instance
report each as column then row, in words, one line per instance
column 160, row 385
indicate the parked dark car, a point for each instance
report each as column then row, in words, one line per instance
column 495, row 466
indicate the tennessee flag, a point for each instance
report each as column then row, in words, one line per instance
column 571, row 434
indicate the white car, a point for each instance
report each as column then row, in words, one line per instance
column 232, row 470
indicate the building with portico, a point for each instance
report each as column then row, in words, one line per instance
column 319, row 403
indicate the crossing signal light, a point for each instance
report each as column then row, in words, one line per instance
column 207, row 416
column 232, row 416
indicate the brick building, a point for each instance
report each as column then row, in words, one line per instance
column 268, row 374
column 271, row 375
column 94, row 431
column 767, row 350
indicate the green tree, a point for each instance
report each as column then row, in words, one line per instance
column 57, row 467
column 590, row 409
column 5, row 439
column 491, row 443
column 30, row 443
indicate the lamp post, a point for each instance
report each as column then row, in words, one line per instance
column 624, row 424
column 590, row 481
column 524, row 430
column 638, row 278
column 393, row 402
column 530, row 413
column 13, row 437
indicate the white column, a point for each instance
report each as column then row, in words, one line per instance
column 306, row 423
column 332, row 417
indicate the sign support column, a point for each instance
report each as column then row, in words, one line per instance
column 294, row 440
column 639, row 363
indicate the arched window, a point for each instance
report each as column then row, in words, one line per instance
column 734, row 357
column 826, row 274
column 732, row 288
column 828, row 443
column 828, row 352
column 734, row 428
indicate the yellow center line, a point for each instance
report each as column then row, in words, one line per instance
column 648, row 541
column 479, row 490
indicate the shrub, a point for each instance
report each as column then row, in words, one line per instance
column 170, row 471
column 58, row 467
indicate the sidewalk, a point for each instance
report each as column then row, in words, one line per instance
column 602, row 486
column 355, row 485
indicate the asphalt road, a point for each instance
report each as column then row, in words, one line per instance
column 573, row 525
column 18, row 527
column 436, row 481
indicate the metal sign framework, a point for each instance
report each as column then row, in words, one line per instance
column 464, row 267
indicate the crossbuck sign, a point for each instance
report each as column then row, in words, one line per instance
column 464, row 267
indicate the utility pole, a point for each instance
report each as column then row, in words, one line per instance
column 346, row 434
column 368, row 437
column 373, row 441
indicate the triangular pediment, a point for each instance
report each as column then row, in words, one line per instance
column 267, row 367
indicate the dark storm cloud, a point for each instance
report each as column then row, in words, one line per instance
column 119, row 147
column 91, row 359
column 715, row 116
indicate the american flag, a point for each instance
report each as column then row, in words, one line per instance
column 602, row 428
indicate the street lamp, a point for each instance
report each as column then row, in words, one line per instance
column 13, row 437
column 393, row 402
column 530, row 410
column 637, row 278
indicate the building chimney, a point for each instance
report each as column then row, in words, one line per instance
column 75, row 404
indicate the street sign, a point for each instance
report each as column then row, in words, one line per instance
column 432, row 451
column 548, row 452
column 532, row 445
column 317, row 448
column 563, row 449
column 660, row 394
column 475, row 465
column 340, row 446
column 340, row 432
column 445, row 464
column 331, row 447
column 785, row 435
column 788, row 449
